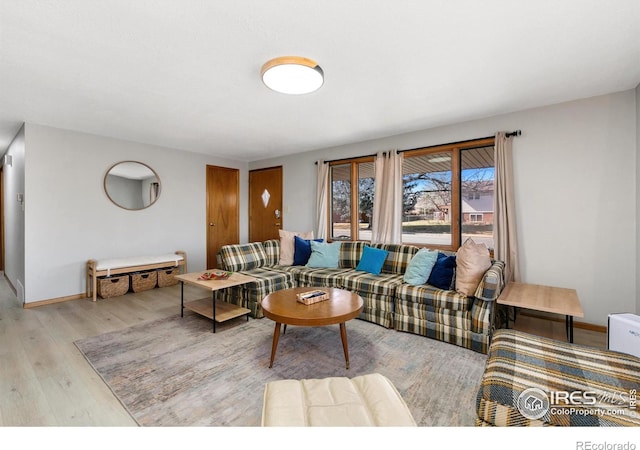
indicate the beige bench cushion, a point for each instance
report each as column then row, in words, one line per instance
column 367, row 400
column 172, row 259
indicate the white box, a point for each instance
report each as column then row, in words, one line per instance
column 623, row 333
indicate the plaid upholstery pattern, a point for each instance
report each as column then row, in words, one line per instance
column 272, row 250
column 398, row 257
column 431, row 296
column 350, row 254
column 449, row 316
column 423, row 314
column 319, row 277
column 377, row 309
column 518, row 361
column 462, row 337
column 241, row 257
column 267, row 281
column 358, row 281
column 388, row 301
column 492, row 282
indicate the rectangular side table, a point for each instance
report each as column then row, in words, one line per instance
column 543, row 298
column 217, row 311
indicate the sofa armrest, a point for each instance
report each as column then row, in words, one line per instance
column 492, row 282
column 239, row 257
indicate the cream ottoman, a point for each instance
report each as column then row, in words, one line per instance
column 367, row 400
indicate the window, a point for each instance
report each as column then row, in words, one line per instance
column 448, row 194
column 351, row 201
column 427, row 198
column 477, row 177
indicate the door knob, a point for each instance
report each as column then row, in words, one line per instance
column 277, row 224
column 212, row 224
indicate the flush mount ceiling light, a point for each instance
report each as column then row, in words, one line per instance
column 292, row 75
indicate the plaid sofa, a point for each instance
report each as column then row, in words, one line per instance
column 525, row 373
column 388, row 301
column 448, row 316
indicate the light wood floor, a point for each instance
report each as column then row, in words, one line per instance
column 555, row 329
column 45, row 381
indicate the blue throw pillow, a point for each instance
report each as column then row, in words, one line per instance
column 420, row 267
column 372, row 260
column 302, row 250
column 442, row 272
column 324, row 255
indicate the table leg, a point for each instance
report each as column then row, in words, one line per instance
column 345, row 345
column 274, row 345
column 213, row 302
column 570, row 320
column 181, row 298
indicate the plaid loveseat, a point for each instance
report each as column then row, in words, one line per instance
column 388, row 301
column 537, row 381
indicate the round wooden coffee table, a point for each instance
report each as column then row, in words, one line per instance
column 283, row 307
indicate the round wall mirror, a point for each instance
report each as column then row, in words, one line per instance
column 132, row 185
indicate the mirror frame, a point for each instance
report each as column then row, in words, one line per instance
column 107, row 173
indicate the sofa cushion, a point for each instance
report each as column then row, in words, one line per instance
column 324, row 255
column 441, row 275
column 432, row 296
column 472, row 261
column 350, row 253
column 384, row 284
column 287, row 246
column 272, row 250
column 320, row 277
column 399, row 257
column 420, row 267
column 241, row 257
column 366, row 400
column 372, row 260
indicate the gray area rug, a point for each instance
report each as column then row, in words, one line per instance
column 176, row 372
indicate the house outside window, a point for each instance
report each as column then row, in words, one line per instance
column 447, row 195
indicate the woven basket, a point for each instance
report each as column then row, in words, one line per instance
column 311, row 297
column 113, row 286
column 143, row 281
column 167, row 277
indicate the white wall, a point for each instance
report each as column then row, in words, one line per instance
column 14, row 239
column 575, row 169
column 69, row 219
column 638, row 198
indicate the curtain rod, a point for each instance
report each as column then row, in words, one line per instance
column 514, row 133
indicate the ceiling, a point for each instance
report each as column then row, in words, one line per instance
column 186, row 74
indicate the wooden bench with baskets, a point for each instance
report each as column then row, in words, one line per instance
column 112, row 277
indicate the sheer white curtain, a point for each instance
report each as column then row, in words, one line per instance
column 386, row 225
column 322, row 199
column 504, row 224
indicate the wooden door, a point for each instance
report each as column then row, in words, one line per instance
column 265, row 204
column 223, row 210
